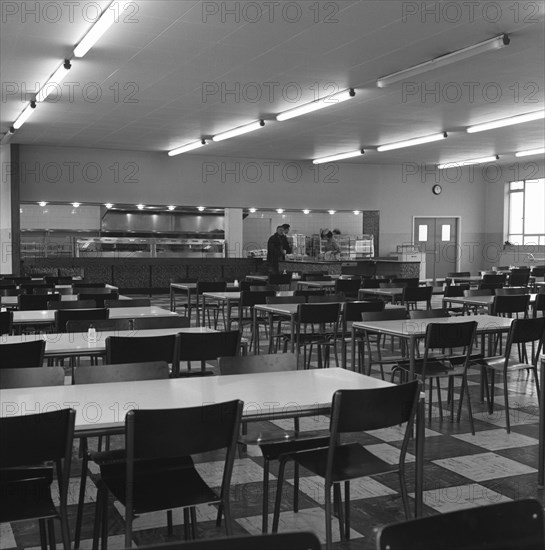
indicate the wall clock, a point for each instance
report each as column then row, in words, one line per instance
column 437, row 189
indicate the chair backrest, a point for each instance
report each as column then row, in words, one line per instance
column 449, row 335
column 22, row 355
column 31, row 377
column 504, row 526
column 6, row 320
column 455, row 291
column 389, row 284
column 62, row 316
column 413, row 295
column 352, row 310
column 539, row 304
column 208, row 346
column 510, row 290
column 249, row 298
column 507, row 305
column 146, row 323
column 142, row 349
column 524, row 331
column 318, row 313
column 137, row 302
column 273, row 541
column 494, row 277
column 386, row 315
column 458, row 274
column 251, row 364
column 407, row 281
column 29, row 302
column 337, row 297
column 211, row 286
column 372, row 283
column 306, row 293
column 538, row 271
column 478, row 292
column 11, row 291
column 490, row 286
column 519, row 277
column 72, row 304
column 428, row 313
column 349, row 287
column 100, row 325
column 125, row 372
column 279, row 278
column 286, row 299
column 87, row 284
column 99, row 297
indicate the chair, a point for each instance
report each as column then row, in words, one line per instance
column 27, row 444
column 433, row 365
column 100, row 325
column 72, row 304
column 521, row 332
column 454, row 291
column 281, row 441
column 31, row 377
column 504, row 526
column 372, row 283
column 246, row 303
column 428, row 314
column 214, row 307
column 159, row 445
column 149, row 323
column 348, row 287
column 22, row 355
column 62, row 316
column 279, row 318
column 135, row 302
column 352, row 312
column 286, row 541
column 206, row 346
column 494, row 278
column 127, row 372
column 337, row 297
column 142, row 349
column 280, row 279
column 99, row 297
column 519, row 277
column 412, row 295
column 30, row 302
column 316, row 325
column 407, row 281
column 6, row 321
column 490, row 286
column 355, row 411
column 308, row 292
column 511, row 290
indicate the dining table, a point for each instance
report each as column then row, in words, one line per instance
column 484, row 302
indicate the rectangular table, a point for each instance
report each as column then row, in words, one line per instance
column 393, row 294
column 412, row 329
column 478, row 301
column 327, row 285
column 190, row 290
column 101, row 408
column 12, row 301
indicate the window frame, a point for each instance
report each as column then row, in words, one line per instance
column 539, row 238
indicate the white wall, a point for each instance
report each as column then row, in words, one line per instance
column 399, row 192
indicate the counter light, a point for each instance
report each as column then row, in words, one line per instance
column 468, row 162
column 42, row 204
column 240, row 130
column 200, row 208
column 54, row 80
column 331, row 212
column 75, row 204
column 171, row 207
column 186, row 148
column 411, row 142
column 140, row 206
column 357, row 212
column 530, row 152
column 528, row 117
column 252, row 210
column 280, row 210
column 306, row 211
column 109, row 205
column 328, row 101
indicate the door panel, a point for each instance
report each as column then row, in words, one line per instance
column 438, row 238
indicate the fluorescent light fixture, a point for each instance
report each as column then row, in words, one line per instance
column 42, row 204
column 442, row 61
column 200, row 208
column 529, row 152
column 110, row 15
column 140, row 206
column 7, row 136
column 468, row 162
column 75, row 204
column 171, row 207
column 327, row 101
column 331, row 212
column 23, row 117
column 54, row 80
column 186, row 148
column 280, row 210
column 411, row 142
column 357, row 212
column 305, row 211
column 109, row 205
column 528, row 117
column 340, row 156
column 252, row 210
column 239, row 131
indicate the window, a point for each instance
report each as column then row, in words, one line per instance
column 526, row 222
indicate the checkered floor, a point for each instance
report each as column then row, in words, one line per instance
column 461, row 471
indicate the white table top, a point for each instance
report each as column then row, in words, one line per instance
column 48, row 315
column 103, row 406
column 77, row 343
column 13, row 301
column 479, row 300
column 417, row 327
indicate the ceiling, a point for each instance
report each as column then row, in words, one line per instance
column 154, row 81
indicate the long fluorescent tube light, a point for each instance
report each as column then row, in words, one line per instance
column 186, row 148
column 239, row 131
column 110, row 15
column 469, row 162
column 23, row 117
column 328, row 101
column 518, row 119
column 411, row 142
column 529, row 152
column 340, row 156
column 442, row 61
column 54, row 80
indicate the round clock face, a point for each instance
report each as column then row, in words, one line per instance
column 437, row 189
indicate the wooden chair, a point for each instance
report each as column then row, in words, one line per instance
column 27, row 444
column 504, row 526
column 158, row 463
column 31, row 377
column 340, row 462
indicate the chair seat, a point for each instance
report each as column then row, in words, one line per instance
column 498, row 363
column 304, row 442
column 27, row 499
column 351, row 461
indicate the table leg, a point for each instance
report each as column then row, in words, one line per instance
column 228, row 319
column 172, row 299
column 353, row 352
column 419, row 456
column 271, row 333
column 541, row 452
